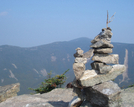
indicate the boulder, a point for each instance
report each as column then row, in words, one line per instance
column 55, row 98
column 127, row 97
column 9, row 91
column 103, row 50
column 105, row 58
column 87, row 80
column 78, row 68
column 102, row 44
column 106, row 94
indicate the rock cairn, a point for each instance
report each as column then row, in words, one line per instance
column 95, row 86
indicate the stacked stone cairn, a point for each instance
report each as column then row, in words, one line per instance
column 95, row 86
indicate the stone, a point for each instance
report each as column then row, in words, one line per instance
column 87, row 81
column 105, row 69
column 88, row 54
column 105, row 58
column 96, row 39
column 75, row 102
column 79, row 52
column 101, row 67
column 106, row 35
column 80, row 60
column 108, row 28
column 103, row 50
column 9, row 91
column 127, row 97
column 86, row 104
column 79, row 69
column 103, row 95
column 58, row 97
column 102, row 44
column 89, row 74
column 97, row 65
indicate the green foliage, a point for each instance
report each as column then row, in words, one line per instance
column 131, row 85
column 51, row 83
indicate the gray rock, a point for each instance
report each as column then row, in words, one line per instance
column 106, row 94
column 86, row 80
column 96, row 39
column 102, row 44
column 101, row 67
column 80, row 60
column 86, row 104
column 79, row 69
column 75, row 102
column 106, row 34
column 105, row 58
column 88, row 54
column 79, row 52
column 56, row 98
column 127, row 97
column 9, row 91
column 105, row 69
column 103, row 50
column 97, row 65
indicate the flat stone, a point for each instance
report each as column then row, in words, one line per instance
column 102, row 44
column 79, row 69
column 105, row 58
column 9, row 91
column 89, row 74
column 103, row 95
column 80, row 60
column 103, row 50
column 96, row 39
column 88, row 54
column 87, row 81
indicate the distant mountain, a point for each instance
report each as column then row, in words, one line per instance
column 29, row 66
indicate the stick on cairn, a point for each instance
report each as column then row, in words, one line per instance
column 109, row 20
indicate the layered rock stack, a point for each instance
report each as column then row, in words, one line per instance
column 95, row 86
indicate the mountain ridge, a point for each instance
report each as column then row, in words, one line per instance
column 30, row 66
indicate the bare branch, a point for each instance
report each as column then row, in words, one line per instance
column 109, row 20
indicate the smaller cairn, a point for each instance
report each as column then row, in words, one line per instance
column 95, row 86
column 79, row 63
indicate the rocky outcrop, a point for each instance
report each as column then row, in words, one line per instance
column 95, row 86
column 64, row 98
column 127, row 97
column 56, row 98
column 9, row 91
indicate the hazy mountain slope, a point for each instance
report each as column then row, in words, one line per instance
column 29, row 66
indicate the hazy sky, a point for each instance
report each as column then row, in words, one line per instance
column 28, row 23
